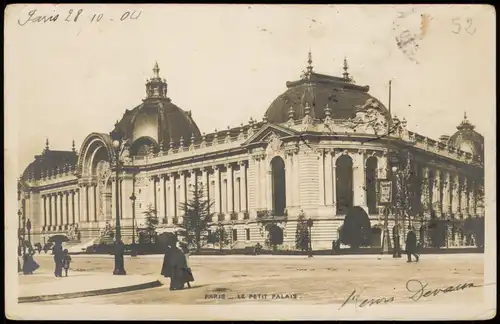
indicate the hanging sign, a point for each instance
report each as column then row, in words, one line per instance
column 385, row 191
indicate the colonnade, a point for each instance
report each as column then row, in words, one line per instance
column 60, row 209
column 224, row 184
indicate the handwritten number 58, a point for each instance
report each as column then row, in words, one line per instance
column 458, row 26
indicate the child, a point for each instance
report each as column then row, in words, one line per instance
column 66, row 261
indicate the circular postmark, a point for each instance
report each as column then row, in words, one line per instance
column 410, row 27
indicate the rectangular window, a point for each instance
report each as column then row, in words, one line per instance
column 247, row 234
column 235, row 234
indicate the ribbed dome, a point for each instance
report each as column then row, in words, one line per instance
column 157, row 121
column 467, row 139
column 319, row 90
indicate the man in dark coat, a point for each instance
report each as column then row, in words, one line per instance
column 57, row 251
column 411, row 244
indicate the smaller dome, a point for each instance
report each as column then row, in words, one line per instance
column 467, row 139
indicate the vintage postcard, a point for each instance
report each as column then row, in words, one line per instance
column 250, row 162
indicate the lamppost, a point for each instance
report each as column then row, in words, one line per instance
column 397, row 210
column 20, row 233
column 118, row 146
column 133, row 252
column 221, row 233
column 310, row 225
column 28, row 227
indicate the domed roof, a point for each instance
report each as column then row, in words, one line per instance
column 467, row 139
column 319, row 90
column 50, row 162
column 157, row 121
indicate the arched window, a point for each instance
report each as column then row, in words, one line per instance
column 343, row 172
column 278, row 185
column 371, row 184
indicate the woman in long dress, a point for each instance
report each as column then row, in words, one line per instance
column 29, row 263
column 175, row 265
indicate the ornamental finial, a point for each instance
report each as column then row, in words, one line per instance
column 73, row 146
column 46, row 144
column 309, row 64
column 346, row 72
column 156, row 70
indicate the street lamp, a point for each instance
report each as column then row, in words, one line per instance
column 133, row 252
column 20, row 233
column 310, row 225
column 221, row 228
column 28, row 227
column 119, row 248
column 395, row 232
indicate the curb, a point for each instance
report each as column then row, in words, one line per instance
column 109, row 291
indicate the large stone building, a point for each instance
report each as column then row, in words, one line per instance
column 318, row 150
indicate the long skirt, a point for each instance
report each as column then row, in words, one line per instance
column 29, row 265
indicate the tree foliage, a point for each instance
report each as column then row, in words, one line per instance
column 219, row 237
column 302, row 233
column 275, row 235
column 147, row 234
column 197, row 218
column 356, row 229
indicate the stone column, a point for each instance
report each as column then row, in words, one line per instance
column 62, row 208
column 44, row 211
column 217, row 189
column 258, row 184
column 71, row 207
column 329, row 179
column 472, row 198
column 55, row 209
column 192, row 181
column 464, row 201
column 95, row 196
column 424, row 184
column 162, row 211
column 205, row 183
column 50, row 208
column 182, row 195
column 243, row 184
column 455, row 208
column 334, row 182
column 321, row 177
column 359, row 179
column 230, row 188
column 269, row 186
column 171, row 199
column 436, row 194
column 296, row 174
column 446, row 193
column 152, row 193
column 264, row 187
column 91, row 212
column 288, row 182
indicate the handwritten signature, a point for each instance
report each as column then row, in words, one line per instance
column 418, row 290
column 75, row 15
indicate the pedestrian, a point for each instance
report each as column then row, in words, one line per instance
column 57, row 251
column 175, row 265
column 188, row 274
column 29, row 263
column 411, row 244
column 66, row 262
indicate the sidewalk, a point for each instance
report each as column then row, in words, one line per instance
column 271, row 256
column 44, row 286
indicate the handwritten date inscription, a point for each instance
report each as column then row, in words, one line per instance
column 76, row 15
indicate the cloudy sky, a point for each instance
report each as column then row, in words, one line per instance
column 64, row 80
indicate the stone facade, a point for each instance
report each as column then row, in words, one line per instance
column 318, row 166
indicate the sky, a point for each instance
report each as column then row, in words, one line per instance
column 227, row 63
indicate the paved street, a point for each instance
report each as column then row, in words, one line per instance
column 294, row 279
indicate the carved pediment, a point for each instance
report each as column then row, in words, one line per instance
column 269, row 134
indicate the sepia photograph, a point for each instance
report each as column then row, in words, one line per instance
column 250, row 162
